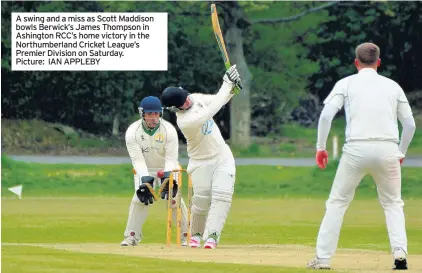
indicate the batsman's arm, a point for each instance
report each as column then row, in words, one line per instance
column 196, row 120
column 135, row 152
column 208, row 98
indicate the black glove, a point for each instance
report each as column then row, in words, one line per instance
column 143, row 193
column 165, row 192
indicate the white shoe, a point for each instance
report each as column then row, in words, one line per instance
column 195, row 241
column 211, row 243
column 319, row 264
column 129, row 240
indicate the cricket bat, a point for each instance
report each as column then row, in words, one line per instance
column 220, row 40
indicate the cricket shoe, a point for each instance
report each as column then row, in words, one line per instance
column 319, row 264
column 195, row 241
column 400, row 262
column 210, row 243
column 129, row 240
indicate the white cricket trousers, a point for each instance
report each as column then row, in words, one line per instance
column 213, row 187
column 380, row 159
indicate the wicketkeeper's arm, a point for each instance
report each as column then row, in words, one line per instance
column 135, row 153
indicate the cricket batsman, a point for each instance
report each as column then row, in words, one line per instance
column 372, row 103
column 153, row 147
column 211, row 162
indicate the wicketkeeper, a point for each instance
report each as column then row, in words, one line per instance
column 153, row 147
column 372, row 103
column 211, row 162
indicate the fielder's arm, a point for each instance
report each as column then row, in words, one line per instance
column 333, row 103
column 405, row 116
column 135, row 152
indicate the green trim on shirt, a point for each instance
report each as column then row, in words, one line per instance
column 150, row 132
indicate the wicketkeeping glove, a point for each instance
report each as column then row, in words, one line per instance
column 232, row 76
column 143, row 193
column 165, row 192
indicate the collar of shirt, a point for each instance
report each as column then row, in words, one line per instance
column 367, row 71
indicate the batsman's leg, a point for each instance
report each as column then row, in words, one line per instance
column 348, row 176
column 387, row 176
column 201, row 200
column 221, row 199
column 138, row 213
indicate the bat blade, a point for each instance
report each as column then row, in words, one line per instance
column 220, row 39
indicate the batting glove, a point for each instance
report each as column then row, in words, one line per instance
column 232, row 77
column 321, row 159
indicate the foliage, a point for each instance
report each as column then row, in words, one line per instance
column 393, row 26
column 287, row 60
column 117, row 180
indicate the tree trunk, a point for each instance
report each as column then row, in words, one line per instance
column 116, row 123
column 116, row 119
column 240, row 109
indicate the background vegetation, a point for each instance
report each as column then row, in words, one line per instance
column 289, row 53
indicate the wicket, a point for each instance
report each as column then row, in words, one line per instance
column 178, row 204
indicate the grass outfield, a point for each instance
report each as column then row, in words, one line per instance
column 36, row 231
column 117, row 180
column 71, row 219
column 40, row 137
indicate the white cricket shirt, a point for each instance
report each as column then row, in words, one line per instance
column 204, row 139
column 372, row 104
column 151, row 151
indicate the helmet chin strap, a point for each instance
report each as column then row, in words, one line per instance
column 146, row 125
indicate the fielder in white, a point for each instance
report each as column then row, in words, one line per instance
column 153, row 147
column 372, row 103
column 211, row 162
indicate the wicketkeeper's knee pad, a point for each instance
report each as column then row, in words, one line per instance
column 223, row 195
column 200, row 204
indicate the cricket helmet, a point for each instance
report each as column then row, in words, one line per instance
column 150, row 104
column 174, row 97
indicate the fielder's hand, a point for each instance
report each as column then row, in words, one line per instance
column 144, row 194
column 165, row 192
column 232, row 77
column 321, row 159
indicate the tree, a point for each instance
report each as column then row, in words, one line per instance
column 235, row 24
column 394, row 26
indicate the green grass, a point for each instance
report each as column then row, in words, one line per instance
column 299, row 141
column 117, row 180
column 75, row 204
column 251, row 221
column 35, row 136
